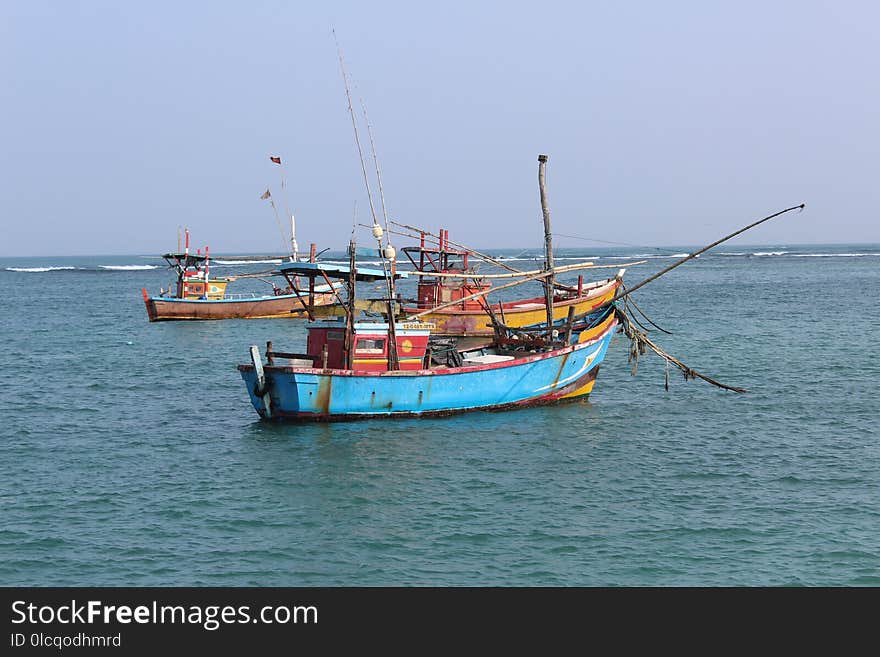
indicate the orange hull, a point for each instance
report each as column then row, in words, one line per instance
column 515, row 314
column 167, row 308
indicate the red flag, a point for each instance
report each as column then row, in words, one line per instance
column 276, row 160
column 266, row 195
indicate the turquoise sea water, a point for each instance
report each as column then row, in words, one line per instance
column 130, row 454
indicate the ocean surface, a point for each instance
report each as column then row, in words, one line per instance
column 131, row 455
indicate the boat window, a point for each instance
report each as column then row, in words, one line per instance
column 371, row 346
column 335, row 335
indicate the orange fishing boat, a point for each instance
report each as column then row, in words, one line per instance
column 198, row 296
column 449, row 283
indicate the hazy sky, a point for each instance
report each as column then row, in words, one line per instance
column 666, row 123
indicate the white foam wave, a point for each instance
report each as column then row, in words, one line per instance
column 769, row 253
column 834, row 255
column 127, row 267
column 643, row 256
column 218, row 261
column 34, row 270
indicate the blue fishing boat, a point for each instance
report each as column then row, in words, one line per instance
column 354, row 369
column 488, row 378
column 392, row 367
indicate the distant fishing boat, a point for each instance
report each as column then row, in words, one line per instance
column 199, row 296
column 366, row 369
column 455, row 293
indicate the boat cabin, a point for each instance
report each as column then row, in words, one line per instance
column 190, row 287
column 441, row 259
column 193, row 279
column 326, row 344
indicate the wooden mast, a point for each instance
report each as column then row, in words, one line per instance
column 349, row 318
column 548, row 245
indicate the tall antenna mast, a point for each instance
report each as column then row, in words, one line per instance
column 378, row 175
column 388, row 252
column 354, row 125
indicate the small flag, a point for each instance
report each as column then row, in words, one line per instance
column 276, row 160
column 265, row 195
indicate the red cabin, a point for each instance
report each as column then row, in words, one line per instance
column 370, row 345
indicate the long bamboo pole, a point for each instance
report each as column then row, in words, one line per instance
column 534, row 277
column 559, row 270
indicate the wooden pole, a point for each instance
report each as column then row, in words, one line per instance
column 569, row 322
column 349, row 319
column 207, row 267
column 548, row 242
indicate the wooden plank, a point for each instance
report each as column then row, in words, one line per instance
column 261, row 379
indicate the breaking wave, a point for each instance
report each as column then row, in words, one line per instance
column 34, row 270
column 219, row 261
column 834, row 255
column 126, row 267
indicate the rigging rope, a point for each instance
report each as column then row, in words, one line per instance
column 640, row 343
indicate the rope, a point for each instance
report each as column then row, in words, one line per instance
column 630, row 300
column 640, row 343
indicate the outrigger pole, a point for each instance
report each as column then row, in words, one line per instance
column 630, row 290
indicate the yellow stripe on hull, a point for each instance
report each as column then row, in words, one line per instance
column 592, row 333
column 475, row 322
column 378, row 361
column 580, row 392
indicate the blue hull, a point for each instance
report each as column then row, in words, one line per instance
column 324, row 395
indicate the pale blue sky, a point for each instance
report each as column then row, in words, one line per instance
column 666, row 123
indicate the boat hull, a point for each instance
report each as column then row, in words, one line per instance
column 307, row 394
column 287, row 305
column 457, row 322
